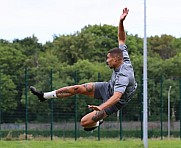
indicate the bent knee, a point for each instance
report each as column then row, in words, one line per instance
column 85, row 122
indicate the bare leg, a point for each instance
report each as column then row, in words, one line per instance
column 86, row 89
column 91, row 119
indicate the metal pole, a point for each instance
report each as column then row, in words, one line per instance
column 180, row 108
column 121, row 128
column 141, row 106
column 52, row 100
column 169, row 111
column 145, row 104
column 99, row 76
column 0, row 105
column 75, row 97
column 161, row 108
column 26, row 98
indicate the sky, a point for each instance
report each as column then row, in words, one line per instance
column 45, row 18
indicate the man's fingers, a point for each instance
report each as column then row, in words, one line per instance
column 125, row 10
column 91, row 106
column 94, row 107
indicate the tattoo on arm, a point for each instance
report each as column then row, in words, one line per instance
column 98, row 116
column 89, row 87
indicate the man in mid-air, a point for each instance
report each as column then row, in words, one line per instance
column 115, row 93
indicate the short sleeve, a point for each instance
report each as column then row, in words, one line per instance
column 121, row 83
column 123, row 47
column 126, row 58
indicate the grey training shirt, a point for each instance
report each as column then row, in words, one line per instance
column 123, row 79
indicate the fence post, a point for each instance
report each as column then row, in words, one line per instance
column 26, row 99
column 75, row 98
column 99, row 76
column 141, row 106
column 52, row 100
column 0, row 105
column 121, row 128
column 161, row 107
column 180, row 106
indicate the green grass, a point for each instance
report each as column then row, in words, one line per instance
column 91, row 143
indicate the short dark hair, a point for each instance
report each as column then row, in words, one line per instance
column 116, row 52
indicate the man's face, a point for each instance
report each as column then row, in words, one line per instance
column 110, row 61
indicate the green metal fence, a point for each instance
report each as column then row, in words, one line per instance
column 60, row 117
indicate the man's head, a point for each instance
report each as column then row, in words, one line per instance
column 114, row 58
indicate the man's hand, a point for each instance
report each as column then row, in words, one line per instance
column 96, row 108
column 125, row 13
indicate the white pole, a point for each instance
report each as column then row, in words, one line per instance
column 145, row 104
column 169, row 111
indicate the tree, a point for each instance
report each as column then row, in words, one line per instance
column 8, row 94
column 163, row 46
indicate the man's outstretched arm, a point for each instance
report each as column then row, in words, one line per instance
column 121, row 31
column 110, row 102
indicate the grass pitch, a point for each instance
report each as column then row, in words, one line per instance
column 91, row 143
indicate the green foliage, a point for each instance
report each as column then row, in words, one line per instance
column 79, row 58
column 11, row 59
column 164, row 45
column 8, row 91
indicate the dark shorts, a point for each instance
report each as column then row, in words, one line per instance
column 103, row 93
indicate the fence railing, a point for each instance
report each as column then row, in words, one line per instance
column 60, row 117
